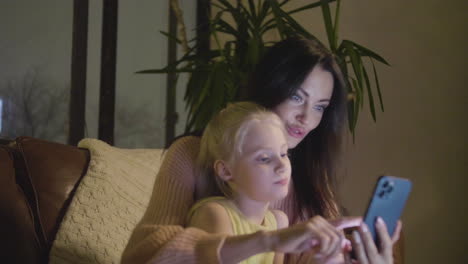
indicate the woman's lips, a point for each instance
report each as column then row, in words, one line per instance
column 296, row 132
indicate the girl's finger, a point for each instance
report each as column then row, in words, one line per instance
column 315, row 228
column 325, row 231
column 335, row 238
column 348, row 259
column 346, row 245
column 339, row 240
column 346, row 222
column 308, row 245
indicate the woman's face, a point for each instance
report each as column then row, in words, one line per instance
column 303, row 111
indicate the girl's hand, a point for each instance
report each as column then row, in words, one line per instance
column 325, row 239
column 365, row 248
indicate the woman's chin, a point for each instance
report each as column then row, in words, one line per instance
column 293, row 142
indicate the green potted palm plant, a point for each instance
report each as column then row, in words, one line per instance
column 219, row 75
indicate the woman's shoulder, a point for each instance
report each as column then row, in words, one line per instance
column 182, row 141
column 179, row 162
column 281, row 218
column 185, row 146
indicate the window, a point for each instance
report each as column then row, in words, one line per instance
column 1, row 114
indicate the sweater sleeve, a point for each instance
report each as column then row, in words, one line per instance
column 161, row 237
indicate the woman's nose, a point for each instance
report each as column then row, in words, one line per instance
column 303, row 117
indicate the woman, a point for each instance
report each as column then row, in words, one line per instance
column 300, row 81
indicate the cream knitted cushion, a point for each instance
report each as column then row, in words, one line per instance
column 110, row 200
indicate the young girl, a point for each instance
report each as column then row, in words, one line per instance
column 243, row 156
column 245, row 153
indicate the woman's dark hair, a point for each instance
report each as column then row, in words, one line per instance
column 278, row 75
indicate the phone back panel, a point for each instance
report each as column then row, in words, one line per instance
column 388, row 201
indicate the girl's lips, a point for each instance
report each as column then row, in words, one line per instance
column 282, row 182
column 296, row 132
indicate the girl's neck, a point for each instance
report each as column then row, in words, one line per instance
column 253, row 210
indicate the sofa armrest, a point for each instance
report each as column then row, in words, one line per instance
column 55, row 170
column 38, row 179
column 19, row 242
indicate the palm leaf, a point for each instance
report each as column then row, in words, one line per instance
column 367, row 52
column 168, row 35
column 378, row 86
column 369, row 93
column 309, row 6
column 216, row 76
column 327, row 19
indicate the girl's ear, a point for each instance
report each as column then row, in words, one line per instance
column 222, row 170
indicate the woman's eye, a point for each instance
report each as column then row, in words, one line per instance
column 297, row 98
column 320, row 108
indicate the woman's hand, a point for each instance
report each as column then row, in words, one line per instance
column 325, row 239
column 365, row 248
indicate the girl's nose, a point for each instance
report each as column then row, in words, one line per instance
column 282, row 165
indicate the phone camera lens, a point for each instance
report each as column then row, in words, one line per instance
column 385, row 185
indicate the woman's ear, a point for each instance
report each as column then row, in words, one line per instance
column 222, row 170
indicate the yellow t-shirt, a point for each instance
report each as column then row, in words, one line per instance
column 242, row 226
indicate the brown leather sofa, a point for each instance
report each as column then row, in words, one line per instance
column 37, row 182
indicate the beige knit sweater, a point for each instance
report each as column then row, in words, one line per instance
column 161, row 237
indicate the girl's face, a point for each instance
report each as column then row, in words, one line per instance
column 303, row 111
column 263, row 171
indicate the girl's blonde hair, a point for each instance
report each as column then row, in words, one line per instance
column 223, row 139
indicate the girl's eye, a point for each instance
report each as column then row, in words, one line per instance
column 297, row 98
column 284, row 155
column 264, row 159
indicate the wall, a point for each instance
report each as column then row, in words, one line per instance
column 422, row 135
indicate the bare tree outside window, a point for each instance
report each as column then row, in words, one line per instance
column 35, row 106
column 134, row 128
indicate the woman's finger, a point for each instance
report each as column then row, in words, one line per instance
column 368, row 242
column 358, row 248
column 396, row 233
column 384, row 239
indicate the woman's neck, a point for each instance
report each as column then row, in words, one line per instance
column 253, row 210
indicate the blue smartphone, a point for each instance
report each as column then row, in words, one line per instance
column 388, row 200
